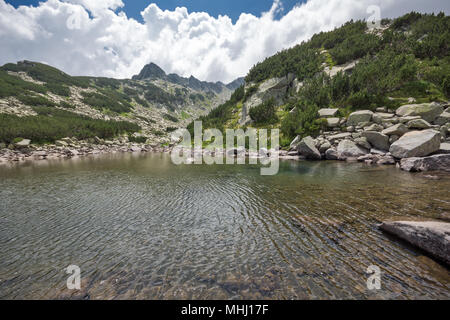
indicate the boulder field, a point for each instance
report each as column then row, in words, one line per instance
column 415, row 137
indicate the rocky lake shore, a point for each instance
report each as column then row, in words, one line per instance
column 414, row 137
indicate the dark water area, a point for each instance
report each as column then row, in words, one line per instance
column 140, row 227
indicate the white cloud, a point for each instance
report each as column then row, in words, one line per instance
column 108, row 43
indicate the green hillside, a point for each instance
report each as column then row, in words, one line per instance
column 407, row 58
column 44, row 104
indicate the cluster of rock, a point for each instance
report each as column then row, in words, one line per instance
column 71, row 147
column 415, row 136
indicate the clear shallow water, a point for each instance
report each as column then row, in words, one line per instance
column 142, row 228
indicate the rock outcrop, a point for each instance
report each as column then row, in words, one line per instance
column 307, row 148
column 427, row 111
column 359, row 117
column 348, row 149
column 433, row 163
column 416, row 144
column 432, row 237
column 377, row 139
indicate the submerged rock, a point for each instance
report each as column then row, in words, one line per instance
column 416, row 144
column 377, row 139
column 433, row 237
column 23, row 143
column 331, row 154
column 433, row 163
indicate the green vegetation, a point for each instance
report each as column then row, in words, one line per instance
column 14, row 86
column 111, row 101
column 53, row 124
column 410, row 58
column 134, row 139
column 35, row 100
column 265, row 113
column 170, row 117
column 218, row 117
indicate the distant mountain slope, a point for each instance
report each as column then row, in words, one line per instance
column 349, row 68
column 153, row 72
column 154, row 106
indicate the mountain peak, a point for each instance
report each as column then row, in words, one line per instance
column 150, row 71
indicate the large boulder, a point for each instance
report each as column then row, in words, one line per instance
column 439, row 162
column 328, row 113
column 416, row 144
column 23, row 143
column 348, row 149
column 444, row 149
column 295, row 142
column 396, row 130
column 427, row 111
column 443, row 118
column 418, row 124
column 333, row 122
column 359, row 116
column 331, row 154
column 430, row 236
column 307, row 148
column 377, row 139
column 339, row 136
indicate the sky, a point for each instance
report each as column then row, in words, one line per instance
column 214, row 40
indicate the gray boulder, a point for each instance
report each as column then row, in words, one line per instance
column 427, row 111
column 396, row 130
column 307, row 148
column 333, row 122
column 331, row 154
column 363, row 142
column 324, row 147
column 328, row 113
column 418, row 124
column 443, row 118
column 416, row 144
column 377, row 139
column 437, row 162
column 430, row 236
column 359, row 116
column 348, row 149
column 295, row 142
column 23, row 143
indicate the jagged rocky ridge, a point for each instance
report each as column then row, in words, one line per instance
column 153, row 107
column 153, row 72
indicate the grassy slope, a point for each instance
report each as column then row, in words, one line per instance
column 109, row 96
column 410, row 58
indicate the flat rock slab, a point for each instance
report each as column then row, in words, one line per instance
column 439, row 162
column 328, row 113
column 430, row 236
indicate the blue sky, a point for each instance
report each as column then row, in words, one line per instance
column 231, row 8
column 61, row 32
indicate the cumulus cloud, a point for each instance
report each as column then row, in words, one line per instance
column 96, row 38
